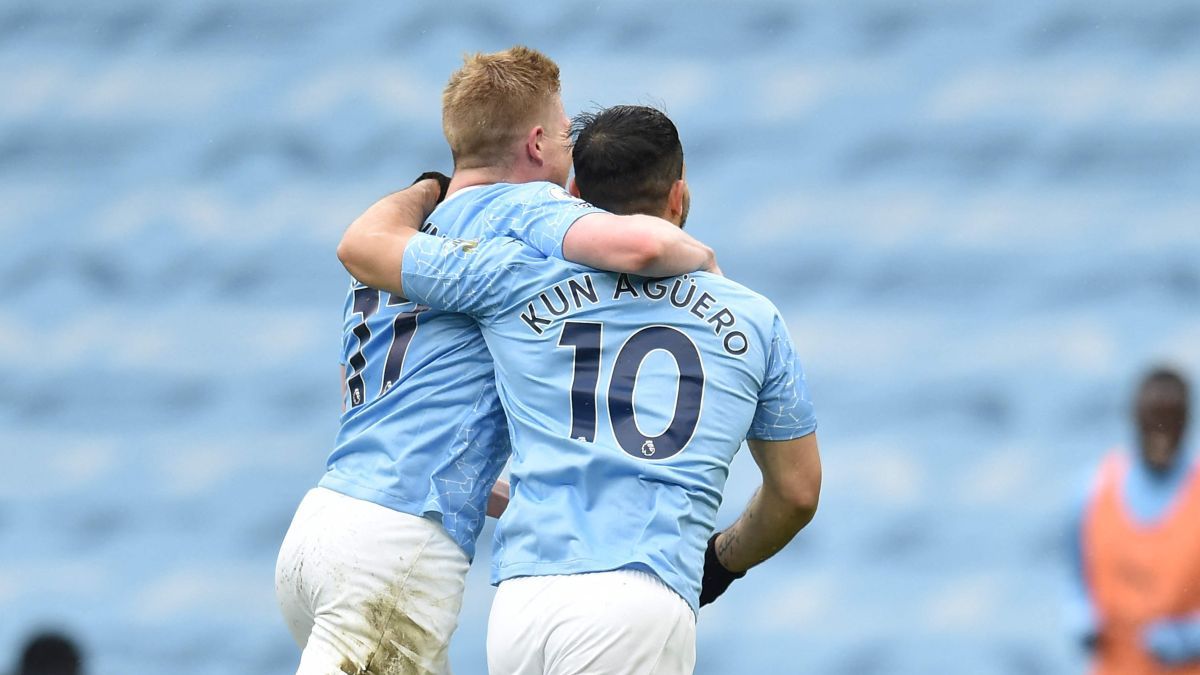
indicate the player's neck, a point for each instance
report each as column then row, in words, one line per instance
column 464, row 178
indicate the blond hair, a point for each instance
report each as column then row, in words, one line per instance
column 491, row 102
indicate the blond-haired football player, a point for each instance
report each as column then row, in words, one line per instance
column 371, row 573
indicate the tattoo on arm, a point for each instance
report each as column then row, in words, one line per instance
column 730, row 540
column 726, row 542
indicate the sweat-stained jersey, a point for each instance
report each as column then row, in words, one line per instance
column 626, row 399
column 423, row 431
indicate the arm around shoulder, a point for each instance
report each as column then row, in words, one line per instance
column 638, row 244
column 372, row 248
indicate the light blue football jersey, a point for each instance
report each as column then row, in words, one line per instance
column 627, row 399
column 423, row 431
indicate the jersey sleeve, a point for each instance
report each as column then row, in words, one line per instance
column 784, row 409
column 548, row 211
column 463, row 275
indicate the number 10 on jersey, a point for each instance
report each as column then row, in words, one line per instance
column 585, row 338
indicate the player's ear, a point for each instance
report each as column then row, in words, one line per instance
column 535, row 140
column 675, row 199
column 573, row 188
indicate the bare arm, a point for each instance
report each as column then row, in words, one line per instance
column 784, row 504
column 498, row 499
column 642, row 245
column 372, row 249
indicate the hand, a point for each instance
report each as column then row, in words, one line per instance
column 712, row 266
column 716, row 577
column 442, row 179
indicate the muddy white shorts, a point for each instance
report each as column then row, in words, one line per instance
column 606, row 623
column 364, row 588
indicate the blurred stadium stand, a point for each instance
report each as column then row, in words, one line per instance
column 981, row 218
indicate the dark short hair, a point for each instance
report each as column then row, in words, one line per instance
column 50, row 654
column 1166, row 377
column 626, row 157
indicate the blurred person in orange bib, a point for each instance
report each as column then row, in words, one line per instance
column 1135, row 545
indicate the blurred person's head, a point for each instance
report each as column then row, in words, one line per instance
column 50, row 654
column 503, row 113
column 1161, row 415
column 628, row 159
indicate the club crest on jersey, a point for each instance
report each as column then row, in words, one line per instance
column 463, row 246
column 648, row 448
column 556, row 192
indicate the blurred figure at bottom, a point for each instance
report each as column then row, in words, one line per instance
column 1135, row 545
column 50, row 654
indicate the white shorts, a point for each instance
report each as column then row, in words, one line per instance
column 606, row 623
column 364, row 588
